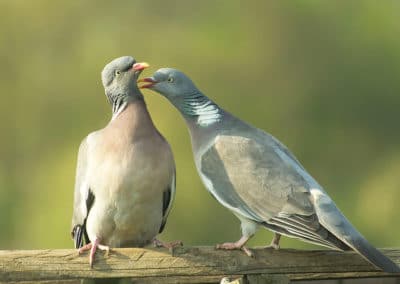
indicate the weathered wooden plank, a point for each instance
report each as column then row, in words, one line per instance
column 75, row 281
column 28, row 265
column 340, row 275
column 142, row 280
column 267, row 279
column 203, row 279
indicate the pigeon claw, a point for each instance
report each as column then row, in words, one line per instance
column 169, row 245
column 275, row 242
column 235, row 246
column 239, row 245
column 272, row 246
column 93, row 247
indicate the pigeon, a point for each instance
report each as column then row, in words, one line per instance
column 125, row 177
column 256, row 177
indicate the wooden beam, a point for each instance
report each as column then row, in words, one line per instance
column 189, row 264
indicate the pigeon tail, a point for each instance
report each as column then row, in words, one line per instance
column 334, row 221
column 373, row 255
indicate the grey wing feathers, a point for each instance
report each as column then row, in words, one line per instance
column 218, row 183
column 260, row 179
column 168, row 199
column 263, row 183
column 254, row 179
column 306, row 228
column 83, row 198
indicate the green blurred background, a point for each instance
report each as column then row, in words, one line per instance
column 322, row 76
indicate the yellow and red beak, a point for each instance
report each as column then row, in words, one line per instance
column 140, row 66
column 148, row 80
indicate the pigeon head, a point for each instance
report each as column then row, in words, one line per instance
column 184, row 95
column 120, row 76
column 170, row 83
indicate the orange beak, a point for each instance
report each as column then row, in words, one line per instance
column 148, row 80
column 140, row 66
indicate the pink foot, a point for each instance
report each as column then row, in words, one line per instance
column 234, row 246
column 160, row 244
column 239, row 245
column 92, row 247
column 275, row 242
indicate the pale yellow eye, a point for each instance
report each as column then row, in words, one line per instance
column 117, row 72
column 170, row 79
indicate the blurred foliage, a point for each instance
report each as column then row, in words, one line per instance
column 322, row 76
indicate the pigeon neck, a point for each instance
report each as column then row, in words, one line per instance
column 200, row 109
column 120, row 102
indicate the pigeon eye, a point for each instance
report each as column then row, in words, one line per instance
column 170, row 80
column 117, row 72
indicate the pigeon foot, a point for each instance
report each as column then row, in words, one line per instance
column 169, row 245
column 274, row 243
column 93, row 247
column 239, row 245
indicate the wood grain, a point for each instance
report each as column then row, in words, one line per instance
column 186, row 265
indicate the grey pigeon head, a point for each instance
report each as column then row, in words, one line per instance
column 171, row 83
column 120, row 76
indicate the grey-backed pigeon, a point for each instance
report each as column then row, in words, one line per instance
column 256, row 177
column 125, row 179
